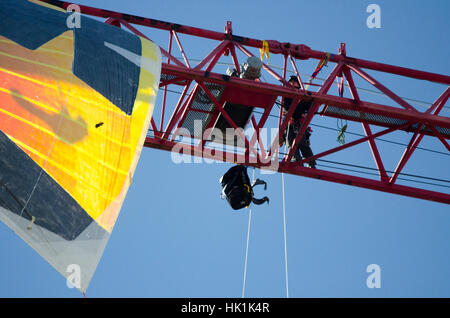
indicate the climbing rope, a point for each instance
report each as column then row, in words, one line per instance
column 284, row 221
column 285, row 240
column 284, row 234
column 248, row 239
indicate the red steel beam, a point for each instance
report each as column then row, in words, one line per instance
column 442, row 139
column 305, row 172
column 256, row 137
column 366, row 127
column 381, row 87
column 412, row 146
column 345, row 103
column 351, row 144
column 235, row 59
column 314, row 107
column 417, row 137
column 182, row 112
column 214, row 55
column 428, row 119
column 227, row 117
column 296, row 72
column 172, row 121
column 282, row 125
column 181, row 49
column 137, row 32
column 299, row 51
column 264, row 65
column 439, row 103
column 165, row 87
column 365, row 183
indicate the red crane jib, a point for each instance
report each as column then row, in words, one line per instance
column 221, row 101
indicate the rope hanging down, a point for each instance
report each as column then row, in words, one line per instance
column 248, row 239
column 285, row 240
column 284, row 229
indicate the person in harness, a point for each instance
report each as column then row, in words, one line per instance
column 238, row 191
column 296, row 123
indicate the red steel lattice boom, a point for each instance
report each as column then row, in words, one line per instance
column 212, row 97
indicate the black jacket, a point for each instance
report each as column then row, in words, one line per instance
column 302, row 107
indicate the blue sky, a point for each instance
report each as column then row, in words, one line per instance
column 175, row 237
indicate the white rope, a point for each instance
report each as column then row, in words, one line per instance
column 248, row 239
column 285, row 240
column 284, row 219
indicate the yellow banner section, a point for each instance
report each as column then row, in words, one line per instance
column 83, row 141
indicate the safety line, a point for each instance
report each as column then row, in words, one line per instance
column 248, row 239
column 285, row 240
column 286, row 140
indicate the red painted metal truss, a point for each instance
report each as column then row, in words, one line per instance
column 213, row 100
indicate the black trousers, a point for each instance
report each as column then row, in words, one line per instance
column 305, row 145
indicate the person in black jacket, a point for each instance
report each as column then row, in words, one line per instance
column 238, row 191
column 296, row 123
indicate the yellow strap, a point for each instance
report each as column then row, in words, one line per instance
column 248, row 189
column 30, row 226
column 264, row 50
column 324, row 62
column 319, row 66
column 327, row 58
